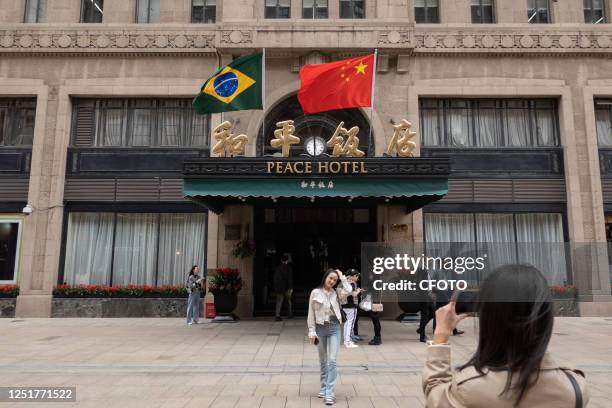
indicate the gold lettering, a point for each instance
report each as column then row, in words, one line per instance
column 270, row 166
column 298, row 167
column 278, row 167
column 334, row 167
column 345, row 166
column 288, row 168
column 308, row 168
column 323, row 167
column 363, row 169
column 355, row 167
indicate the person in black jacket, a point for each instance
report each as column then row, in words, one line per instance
column 283, row 286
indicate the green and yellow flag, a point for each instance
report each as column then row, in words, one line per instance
column 236, row 86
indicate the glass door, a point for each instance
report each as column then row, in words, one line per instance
column 10, row 237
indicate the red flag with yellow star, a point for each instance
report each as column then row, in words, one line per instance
column 337, row 85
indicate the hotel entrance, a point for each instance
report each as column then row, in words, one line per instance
column 314, row 238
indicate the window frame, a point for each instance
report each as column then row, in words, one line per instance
column 352, row 7
column 9, row 127
column 205, row 7
column 604, row 13
column 481, row 6
column 277, row 9
column 314, row 10
column 148, row 19
column 537, row 14
column 427, row 17
column 501, row 107
column 598, row 105
column 83, row 16
column 101, row 106
column 19, row 222
column 38, row 14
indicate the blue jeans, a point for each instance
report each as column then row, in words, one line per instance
column 193, row 306
column 329, row 343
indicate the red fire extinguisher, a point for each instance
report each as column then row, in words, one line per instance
column 209, row 308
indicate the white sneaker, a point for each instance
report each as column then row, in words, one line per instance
column 351, row 345
column 190, row 323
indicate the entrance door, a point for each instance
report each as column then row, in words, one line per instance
column 9, row 250
column 315, row 239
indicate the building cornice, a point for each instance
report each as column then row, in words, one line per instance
column 283, row 38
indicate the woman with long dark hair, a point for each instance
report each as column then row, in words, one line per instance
column 324, row 320
column 511, row 366
column 194, row 284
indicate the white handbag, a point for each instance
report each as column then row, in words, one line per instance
column 366, row 303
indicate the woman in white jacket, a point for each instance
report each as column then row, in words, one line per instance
column 324, row 320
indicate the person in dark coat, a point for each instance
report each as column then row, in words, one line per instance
column 283, row 286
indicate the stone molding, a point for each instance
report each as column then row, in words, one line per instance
column 465, row 39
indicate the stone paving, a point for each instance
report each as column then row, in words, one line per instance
column 256, row 363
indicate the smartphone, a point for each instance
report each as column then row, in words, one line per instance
column 316, row 342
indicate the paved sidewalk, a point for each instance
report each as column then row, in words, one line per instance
column 259, row 363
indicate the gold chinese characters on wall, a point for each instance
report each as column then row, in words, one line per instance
column 343, row 142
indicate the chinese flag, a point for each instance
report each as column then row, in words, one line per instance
column 337, row 85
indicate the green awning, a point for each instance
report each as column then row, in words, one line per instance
column 214, row 193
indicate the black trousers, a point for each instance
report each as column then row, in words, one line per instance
column 428, row 312
column 356, row 325
column 375, row 322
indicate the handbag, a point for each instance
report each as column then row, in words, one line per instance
column 378, row 307
column 366, row 303
column 577, row 390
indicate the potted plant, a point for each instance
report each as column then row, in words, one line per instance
column 225, row 285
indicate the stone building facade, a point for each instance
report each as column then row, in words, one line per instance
column 59, row 61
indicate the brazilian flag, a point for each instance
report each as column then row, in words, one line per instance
column 236, row 86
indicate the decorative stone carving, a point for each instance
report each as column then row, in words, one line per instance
column 430, row 42
column 26, row 41
column 64, row 41
column 141, row 41
column 82, row 41
column 45, row 41
column 585, row 42
column 6, row 41
column 566, row 42
column 180, row 41
column 603, row 41
column 161, row 41
column 546, row 41
column 450, row 41
column 469, row 41
column 203, row 41
column 236, row 37
column 122, row 41
column 394, row 37
column 527, row 41
column 103, row 41
column 488, row 41
column 507, row 41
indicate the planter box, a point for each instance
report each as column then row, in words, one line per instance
column 565, row 307
column 7, row 307
column 119, row 307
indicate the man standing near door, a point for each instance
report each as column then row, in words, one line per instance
column 283, row 286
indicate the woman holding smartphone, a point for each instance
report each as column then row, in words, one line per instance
column 324, row 320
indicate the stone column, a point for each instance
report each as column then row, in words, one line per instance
column 43, row 228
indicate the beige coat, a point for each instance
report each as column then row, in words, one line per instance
column 444, row 387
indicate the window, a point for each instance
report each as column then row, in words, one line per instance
column 594, row 12
column 36, row 11
column 278, row 9
column 133, row 248
column 138, row 123
column 489, row 122
column 538, row 11
column 10, row 239
column 352, row 9
column 426, row 11
column 314, row 9
column 482, row 12
column 603, row 122
column 147, row 11
column 526, row 238
column 17, row 117
column 91, row 11
column 204, row 11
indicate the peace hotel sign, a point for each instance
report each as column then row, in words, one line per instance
column 343, row 142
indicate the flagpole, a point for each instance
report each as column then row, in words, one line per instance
column 263, row 97
column 373, row 94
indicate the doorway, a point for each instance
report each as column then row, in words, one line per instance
column 10, row 231
column 315, row 239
